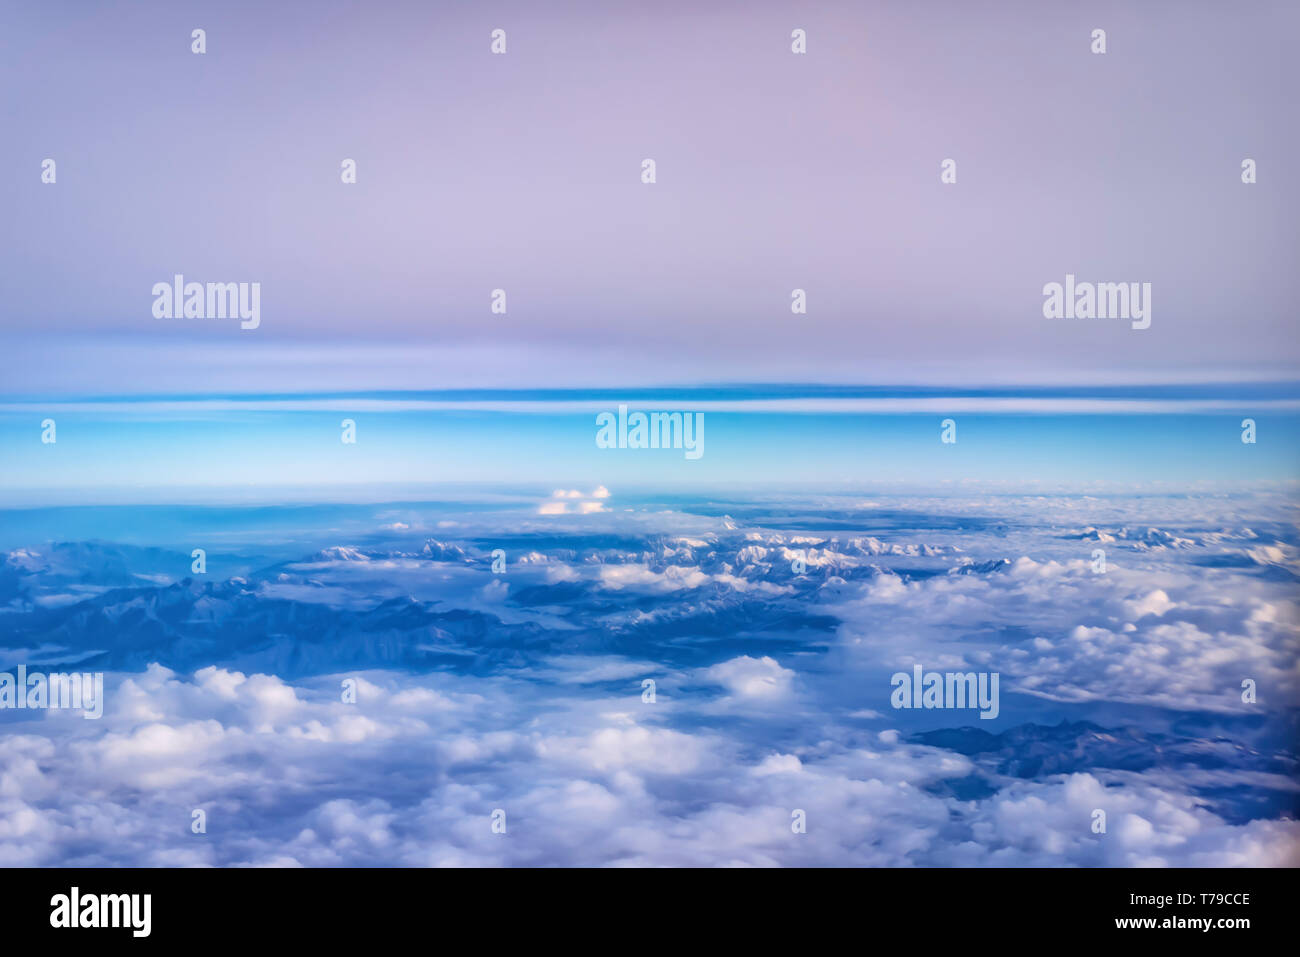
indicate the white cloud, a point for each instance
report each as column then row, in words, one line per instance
column 558, row 735
column 752, row 678
column 317, row 782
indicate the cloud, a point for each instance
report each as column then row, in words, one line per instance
column 290, row 775
column 772, row 696
column 752, row 678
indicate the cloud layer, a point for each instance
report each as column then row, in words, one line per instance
column 650, row 686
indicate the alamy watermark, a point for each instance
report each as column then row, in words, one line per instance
column 57, row 691
column 651, row 430
column 75, row 909
column 179, row 299
column 931, row 689
column 1102, row 300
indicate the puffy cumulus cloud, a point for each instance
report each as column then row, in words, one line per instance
column 582, row 505
column 1154, row 602
column 779, row 764
column 752, row 678
column 1165, row 633
column 557, row 573
column 1045, row 824
column 672, row 578
column 290, row 775
column 772, row 697
column 1177, row 665
column 653, row 750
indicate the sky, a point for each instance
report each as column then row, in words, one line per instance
column 775, row 171
column 179, row 454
